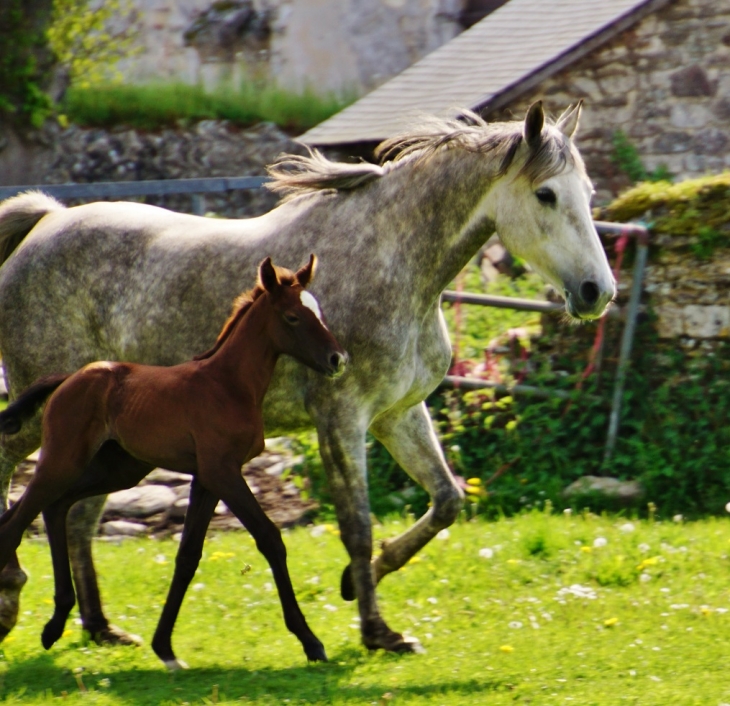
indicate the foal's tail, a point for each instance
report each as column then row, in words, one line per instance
column 23, row 409
column 19, row 215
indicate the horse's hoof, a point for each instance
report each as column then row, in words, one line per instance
column 390, row 641
column 12, row 581
column 51, row 634
column 347, row 586
column 112, row 635
column 175, row 665
column 316, row 653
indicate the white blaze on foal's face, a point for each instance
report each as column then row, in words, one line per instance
column 313, row 305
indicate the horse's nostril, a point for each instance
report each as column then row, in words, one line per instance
column 589, row 292
column 338, row 361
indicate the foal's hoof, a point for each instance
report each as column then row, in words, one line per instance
column 175, row 665
column 52, row 633
column 316, row 653
column 112, row 635
column 12, row 581
column 347, row 585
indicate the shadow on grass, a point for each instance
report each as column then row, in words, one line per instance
column 40, row 678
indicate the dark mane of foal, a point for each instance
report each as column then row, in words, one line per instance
column 294, row 175
column 241, row 304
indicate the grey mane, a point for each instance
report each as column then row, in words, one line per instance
column 294, row 175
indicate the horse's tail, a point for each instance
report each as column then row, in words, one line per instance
column 22, row 409
column 18, row 216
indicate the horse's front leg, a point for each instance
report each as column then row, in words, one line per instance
column 223, row 478
column 197, row 518
column 410, row 439
column 342, row 447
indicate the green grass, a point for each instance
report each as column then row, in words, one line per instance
column 154, row 106
column 498, row 629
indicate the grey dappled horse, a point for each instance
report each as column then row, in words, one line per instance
column 130, row 282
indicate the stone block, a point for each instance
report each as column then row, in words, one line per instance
column 627, row 491
column 142, row 501
column 690, row 115
column 672, row 141
column 692, row 81
column 711, row 142
column 707, row 321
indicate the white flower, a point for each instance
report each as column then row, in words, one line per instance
column 627, row 527
column 567, row 512
column 645, row 577
column 515, row 625
column 486, row 553
column 443, row 534
column 600, row 542
column 329, row 607
column 679, row 518
column 727, row 507
column 198, row 586
column 644, row 548
column 433, row 600
column 318, row 531
column 578, row 591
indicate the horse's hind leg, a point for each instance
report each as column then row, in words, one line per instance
column 13, row 449
column 82, row 522
column 227, row 483
column 409, row 437
column 197, row 518
column 96, row 480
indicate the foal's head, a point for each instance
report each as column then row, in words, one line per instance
column 297, row 327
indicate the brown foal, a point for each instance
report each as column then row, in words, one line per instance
column 202, row 417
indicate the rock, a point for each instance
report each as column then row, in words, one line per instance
column 692, row 82
column 627, row 491
column 123, row 528
column 162, row 476
column 142, row 501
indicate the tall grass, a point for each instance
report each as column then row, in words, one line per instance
column 152, row 106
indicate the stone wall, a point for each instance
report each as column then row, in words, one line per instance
column 341, row 46
column 209, row 149
column 665, row 83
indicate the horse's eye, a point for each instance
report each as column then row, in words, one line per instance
column 546, row 196
column 291, row 319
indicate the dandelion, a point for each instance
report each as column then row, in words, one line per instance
column 610, row 622
column 513, row 561
column 67, row 632
column 627, row 527
column 506, row 648
column 474, row 481
column 600, row 542
column 650, row 561
column 586, row 550
column 443, row 534
column 705, row 610
column 486, row 553
column 414, row 559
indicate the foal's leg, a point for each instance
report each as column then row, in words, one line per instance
column 197, row 518
column 342, row 447
column 124, row 472
column 226, row 482
column 409, row 437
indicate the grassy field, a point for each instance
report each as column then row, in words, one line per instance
column 540, row 609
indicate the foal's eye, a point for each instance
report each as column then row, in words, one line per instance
column 546, row 196
column 292, row 319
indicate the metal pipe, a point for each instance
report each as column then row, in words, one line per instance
column 468, row 383
column 501, row 302
column 627, row 340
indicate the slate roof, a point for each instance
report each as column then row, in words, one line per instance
column 507, row 53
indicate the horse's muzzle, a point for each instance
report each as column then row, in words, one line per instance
column 337, row 364
column 588, row 300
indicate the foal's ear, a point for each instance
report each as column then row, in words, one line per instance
column 267, row 275
column 534, row 122
column 305, row 274
column 568, row 121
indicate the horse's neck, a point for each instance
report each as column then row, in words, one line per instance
column 435, row 212
column 246, row 359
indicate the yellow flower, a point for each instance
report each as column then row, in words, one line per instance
column 474, row 481
column 414, row 559
column 513, row 561
column 586, row 550
column 473, row 490
column 648, row 562
column 506, row 648
column 67, row 632
column 705, row 610
column 610, row 622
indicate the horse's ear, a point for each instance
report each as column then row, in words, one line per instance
column 534, row 122
column 568, row 121
column 305, row 274
column 268, row 278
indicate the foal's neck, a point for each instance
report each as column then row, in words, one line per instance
column 246, row 359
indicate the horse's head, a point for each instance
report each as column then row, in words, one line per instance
column 542, row 214
column 297, row 327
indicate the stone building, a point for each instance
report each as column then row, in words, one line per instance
column 654, row 72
